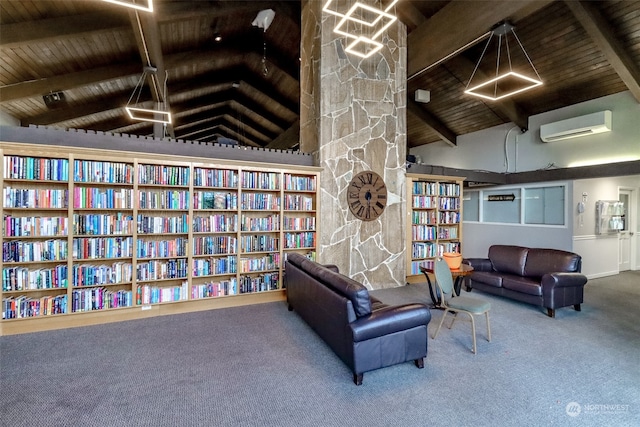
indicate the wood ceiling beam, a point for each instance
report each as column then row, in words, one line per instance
column 55, row 29
column 287, row 139
column 58, row 115
column 433, row 122
column 601, row 32
column 68, row 81
column 456, row 25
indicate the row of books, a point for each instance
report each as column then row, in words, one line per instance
column 93, row 299
column 102, row 198
column 421, row 187
column 34, row 251
column 163, row 224
column 35, row 198
column 203, row 177
column 217, row 223
column 259, row 243
column 424, row 202
column 260, row 180
column 448, row 247
column 296, row 223
column 34, row 168
column 449, row 203
column 423, row 250
column 211, row 266
column 415, row 265
column 447, row 232
column 449, row 189
column 298, row 202
column 299, row 240
column 423, row 232
column 23, row 307
column 299, row 183
column 102, row 172
column 163, row 175
column 449, row 217
column 150, row 294
column 22, row 278
column 267, row 262
column 215, row 245
column 102, row 247
column 215, row 200
column 215, row 289
column 268, row 223
column 260, row 201
column 423, row 217
column 52, row 169
column 164, row 199
column 94, row 275
column 35, row 226
column 102, row 224
column 162, row 269
column 162, row 248
column 260, row 283
column 436, row 189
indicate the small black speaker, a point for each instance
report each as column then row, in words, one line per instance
column 54, row 99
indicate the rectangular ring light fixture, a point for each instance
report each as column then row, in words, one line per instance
column 149, row 115
column 148, row 7
column 373, row 23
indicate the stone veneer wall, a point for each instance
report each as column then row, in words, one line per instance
column 353, row 118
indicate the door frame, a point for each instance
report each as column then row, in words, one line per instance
column 631, row 218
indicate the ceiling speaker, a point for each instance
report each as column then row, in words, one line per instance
column 54, row 99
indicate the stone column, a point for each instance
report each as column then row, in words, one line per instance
column 353, row 118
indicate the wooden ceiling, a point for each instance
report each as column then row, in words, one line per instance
column 245, row 88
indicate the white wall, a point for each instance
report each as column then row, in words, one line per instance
column 486, row 150
column 7, row 120
column 478, row 236
column 600, row 252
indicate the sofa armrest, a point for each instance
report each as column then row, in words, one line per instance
column 563, row 280
column 389, row 320
column 479, row 264
column 332, row 267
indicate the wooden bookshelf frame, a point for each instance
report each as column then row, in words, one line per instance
column 435, row 211
column 73, row 319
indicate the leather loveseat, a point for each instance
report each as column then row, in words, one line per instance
column 547, row 278
column 365, row 333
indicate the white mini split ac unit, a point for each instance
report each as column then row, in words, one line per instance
column 578, row 126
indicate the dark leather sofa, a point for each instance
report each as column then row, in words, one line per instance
column 365, row 333
column 548, row 278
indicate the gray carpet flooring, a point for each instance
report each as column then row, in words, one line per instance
column 262, row 366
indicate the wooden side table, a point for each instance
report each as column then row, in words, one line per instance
column 458, row 274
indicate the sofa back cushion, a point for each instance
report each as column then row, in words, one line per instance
column 508, row 259
column 543, row 261
column 343, row 285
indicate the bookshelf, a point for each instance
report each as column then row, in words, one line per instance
column 94, row 236
column 434, row 207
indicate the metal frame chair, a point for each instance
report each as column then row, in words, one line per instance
column 458, row 304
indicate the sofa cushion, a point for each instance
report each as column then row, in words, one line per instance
column 521, row 284
column 508, row 259
column 487, row 278
column 349, row 288
column 543, row 261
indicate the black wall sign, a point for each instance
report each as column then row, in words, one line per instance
column 501, row 198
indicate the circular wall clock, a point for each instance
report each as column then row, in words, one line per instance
column 367, row 196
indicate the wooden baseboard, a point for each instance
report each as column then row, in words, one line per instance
column 74, row 320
